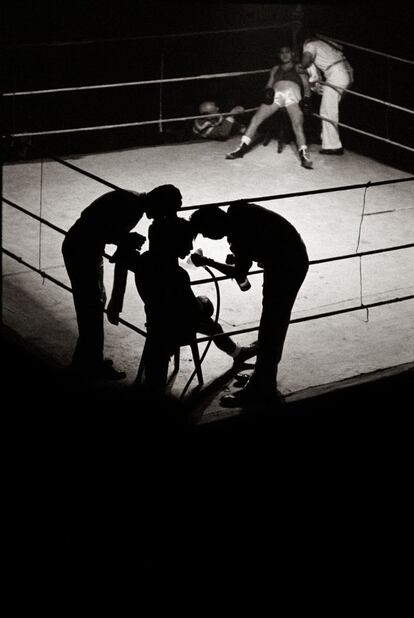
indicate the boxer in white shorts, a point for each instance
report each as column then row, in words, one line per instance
column 286, row 87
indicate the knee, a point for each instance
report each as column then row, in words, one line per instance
column 297, row 124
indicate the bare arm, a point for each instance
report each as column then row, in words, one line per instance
column 238, row 271
column 118, row 292
column 125, row 259
column 201, row 260
column 270, row 81
column 304, row 79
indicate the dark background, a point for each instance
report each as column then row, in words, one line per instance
column 39, row 53
column 100, row 486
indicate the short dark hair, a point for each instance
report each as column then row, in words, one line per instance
column 169, row 233
column 205, row 217
column 163, row 201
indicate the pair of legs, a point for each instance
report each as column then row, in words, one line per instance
column 163, row 339
column 280, row 289
column 265, row 111
column 329, row 108
column 89, row 300
column 288, row 96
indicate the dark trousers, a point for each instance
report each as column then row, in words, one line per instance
column 280, row 288
column 163, row 339
column 89, row 300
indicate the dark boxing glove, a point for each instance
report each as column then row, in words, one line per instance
column 268, row 96
column 198, row 260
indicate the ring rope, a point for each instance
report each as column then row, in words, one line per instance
column 281, row 196
column 185, row 118
column 320, row 261
column 82, row 171
column 234, row 332
column 372, row 51
column 227, row 202
column 147, row 37
column 120, row 126
column 45, row 275
column 224, row 277
column 256, row 199
column 326, row 314
column 375, row 183
column 164, row 80
column 378, row 137
column 365, row 96
column 317, row 316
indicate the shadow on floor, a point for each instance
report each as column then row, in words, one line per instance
column 94, row 475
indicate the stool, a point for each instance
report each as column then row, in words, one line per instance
column 196, row 358
column 279, row 127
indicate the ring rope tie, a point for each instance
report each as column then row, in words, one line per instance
column 357, row 247
column 40, row 216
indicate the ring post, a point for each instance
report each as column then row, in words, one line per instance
column 297, row 24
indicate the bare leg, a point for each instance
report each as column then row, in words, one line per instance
column 296, row 118
column 260, row 116
column 262, row 113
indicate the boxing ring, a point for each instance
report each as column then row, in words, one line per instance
column 353, row 314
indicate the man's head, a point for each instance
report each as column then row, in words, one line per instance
column 172, row 238
column 208, row 108
column 286, row 54
column 209, row 221
column 163, row 201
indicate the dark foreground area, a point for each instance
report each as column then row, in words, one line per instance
column 98, row 482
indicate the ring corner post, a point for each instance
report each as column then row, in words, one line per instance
column 297, row 24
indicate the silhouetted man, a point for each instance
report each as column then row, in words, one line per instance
column 330, row 60
column 108, row 220
column 256, row 234
column 173, row 313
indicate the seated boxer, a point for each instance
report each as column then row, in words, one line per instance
column 287, row 87
column 174, row 314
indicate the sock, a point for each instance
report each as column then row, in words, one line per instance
column 246, row 140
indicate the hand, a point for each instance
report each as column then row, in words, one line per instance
column 237, row 110
column 134, row 240
column 268, row 96
column 198, row 260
